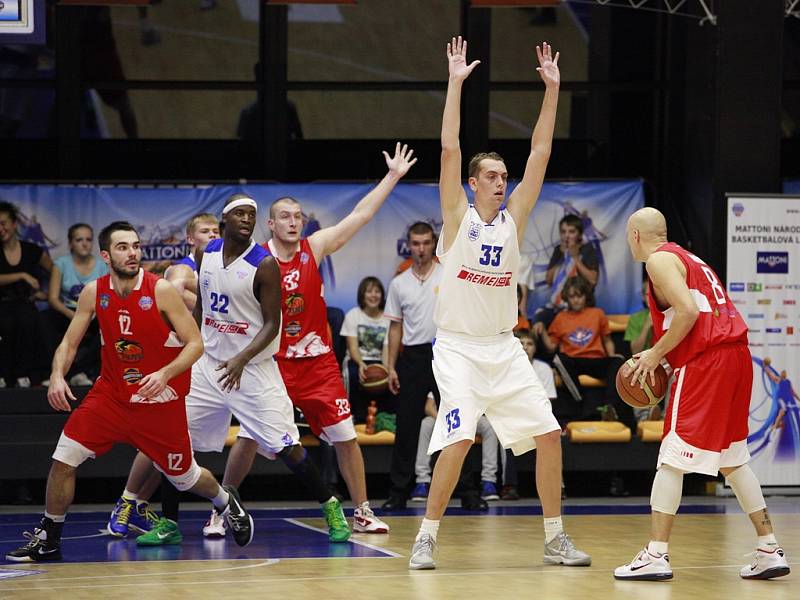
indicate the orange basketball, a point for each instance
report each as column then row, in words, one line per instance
column 641, row 397
column 376, row 379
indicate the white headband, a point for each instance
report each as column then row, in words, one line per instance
column 239, row 202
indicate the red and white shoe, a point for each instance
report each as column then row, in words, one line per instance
column 215, row 527
column 365, row 521
column 766, row 564
column 645, row 567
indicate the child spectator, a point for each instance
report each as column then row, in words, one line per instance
column 367, row 333
column 69, row 276
column 582, row 338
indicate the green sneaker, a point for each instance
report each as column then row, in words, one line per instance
column 165, row 532
column 338, row 531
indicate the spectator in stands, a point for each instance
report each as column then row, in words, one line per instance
column 422, row 466
column 545, row 374
column 21, row 263
column 582, row 338
column 570, row 258
column 367, row 333
column 69, row 276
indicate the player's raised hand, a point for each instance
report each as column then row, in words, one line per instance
column 548, row 65
column 57, row 394
column 401, row 162
column 457, row 59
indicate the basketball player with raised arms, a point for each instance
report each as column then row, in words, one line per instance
column 149, row 342
column 306, row 359
column 479, row 365
column 698, row 330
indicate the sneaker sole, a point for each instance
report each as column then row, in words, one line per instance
column 33, row 560
column 492, row 497
column 357, row 529
column 770, row 573
column 114, row 533
column 552, row 560
column 421, row 567
column 645, row 577
column 213, row 536
column 173, row 542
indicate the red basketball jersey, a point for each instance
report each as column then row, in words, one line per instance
column 136, row 341
column 718, row 323
column 305, row 317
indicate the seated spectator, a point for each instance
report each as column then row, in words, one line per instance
column 582, row 338
column 570, row 258
column 70, row 274
column 422, row 465
column 367, row 333
column 21, row 263
column 545, row 374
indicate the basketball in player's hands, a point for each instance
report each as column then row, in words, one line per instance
column 641, row 397
column 376, row 379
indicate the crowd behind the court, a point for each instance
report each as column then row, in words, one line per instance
column 38, row 297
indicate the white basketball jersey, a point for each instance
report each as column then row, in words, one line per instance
column 231, row 312
column 478, row 291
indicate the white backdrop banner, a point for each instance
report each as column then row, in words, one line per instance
column 764, row 283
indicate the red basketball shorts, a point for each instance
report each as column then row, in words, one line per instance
column 315, row 387
column 706, row 424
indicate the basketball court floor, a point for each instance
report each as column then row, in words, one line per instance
column 498, row 554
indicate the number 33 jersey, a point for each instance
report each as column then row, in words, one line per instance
column 231, row 312
column 718, row 322
column 478, row 291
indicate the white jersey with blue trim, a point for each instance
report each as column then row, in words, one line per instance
column 231, row 312
column 478, row 290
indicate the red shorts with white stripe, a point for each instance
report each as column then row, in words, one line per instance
column 315, row 386
column 707, row 420
column 159, row 430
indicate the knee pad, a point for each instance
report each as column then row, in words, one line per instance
column 748, row 492
column 187, row 480
column 665, row 496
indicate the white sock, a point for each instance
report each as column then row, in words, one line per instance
column 552, row 527
column 220, row 501
column 129, row 495
column 60, row 518
column 767, row 542
column 657, row 548
column 430, row 527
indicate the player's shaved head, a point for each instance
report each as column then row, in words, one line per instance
column 650, row 223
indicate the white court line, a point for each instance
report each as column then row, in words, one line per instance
column 72, row 537
column 404, row 574
column 351, row 540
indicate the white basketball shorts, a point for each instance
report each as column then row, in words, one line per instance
column 493, row 376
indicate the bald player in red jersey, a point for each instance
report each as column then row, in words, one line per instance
column 698, row 330
column 306, row 359
column 149, row 342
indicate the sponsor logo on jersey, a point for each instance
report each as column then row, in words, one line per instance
column 754, row 287
column 104, row 300
column 789, row 302
column 755, row 315
column 295, row 304
column 293, row 328
column 474, row 231
column 227, row 327
column 736, row 286
column 168, row 395
column 764, row 301
column 479, row 278
column 145, row 303
column 773, row 330
column 132, row 376
column 772, row 262
column 129, row 351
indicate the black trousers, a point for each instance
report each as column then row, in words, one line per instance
column 22, row 352
column 87, row 358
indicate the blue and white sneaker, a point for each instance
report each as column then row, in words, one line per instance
column 142, row 519
column 119, row 521
column 489, row 491
column 420, row 493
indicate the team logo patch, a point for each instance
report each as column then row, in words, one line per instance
column 129, row 351
column 303, row 258
column 293, row 328
column 295, row 304
column 287, row 439
column 104, row 300
column 738, row 209
column 474, row 231
column 145, row 303
column 132, row 376
column 206, row 282
column 241, row 274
